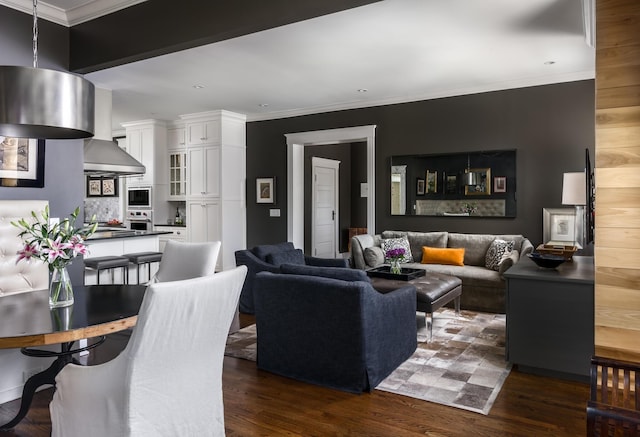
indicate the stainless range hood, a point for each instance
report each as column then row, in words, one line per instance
column 103, row 157
column 106, row 158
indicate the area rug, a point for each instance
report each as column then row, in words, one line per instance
column 463, row 366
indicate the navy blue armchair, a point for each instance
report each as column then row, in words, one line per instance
column 269, row 258
column 332, row 332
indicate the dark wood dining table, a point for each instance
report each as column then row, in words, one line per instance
column 27, row 322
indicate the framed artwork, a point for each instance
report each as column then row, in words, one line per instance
column 21, row 162
column 483, row 186
column 451, row 184
column 432, row 182
column 265, row 190
column 500, row 184
column 559, row 226
column 102, row 187
column 420, row 187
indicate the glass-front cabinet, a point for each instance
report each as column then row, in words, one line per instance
column 177, row 175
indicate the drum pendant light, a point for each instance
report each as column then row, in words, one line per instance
column 46, row 104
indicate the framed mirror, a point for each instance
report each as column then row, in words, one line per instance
column 473, row 184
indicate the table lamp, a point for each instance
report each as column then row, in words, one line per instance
column 574, row 192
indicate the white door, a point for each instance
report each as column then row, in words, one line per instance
column 324, row 207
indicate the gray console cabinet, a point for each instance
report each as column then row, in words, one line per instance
column 550, row 317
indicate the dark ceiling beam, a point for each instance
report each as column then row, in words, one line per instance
column 158, row 27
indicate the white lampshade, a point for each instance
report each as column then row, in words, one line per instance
column 574, row 189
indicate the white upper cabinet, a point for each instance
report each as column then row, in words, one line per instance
column 203, row 132
column 176, row 138
column 204, row 171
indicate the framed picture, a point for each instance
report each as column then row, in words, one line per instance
column 102, row 187
column 21, row 162
column 420, row 187
column 559, row 226
column 265, row 190
column 500, row 184
column 109, row 187
column 483, row 187
column 432, row 182
column 451, row 184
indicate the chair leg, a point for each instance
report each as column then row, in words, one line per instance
column 456, row 303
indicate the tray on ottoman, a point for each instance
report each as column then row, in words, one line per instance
column 406, row 275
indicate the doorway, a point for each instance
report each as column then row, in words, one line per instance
column 325, row 210
column 296, row 143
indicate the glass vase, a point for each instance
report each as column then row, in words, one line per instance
column 60, row 289
column 395, row 267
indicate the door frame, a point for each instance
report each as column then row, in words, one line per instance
column 335, row 165
column 296, row 142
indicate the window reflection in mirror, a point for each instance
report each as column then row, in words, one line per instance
column 445, row 193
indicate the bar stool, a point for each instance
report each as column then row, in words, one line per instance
column 110, row 263
column 141, row 258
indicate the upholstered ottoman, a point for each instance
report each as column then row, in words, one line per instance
column 433, row 291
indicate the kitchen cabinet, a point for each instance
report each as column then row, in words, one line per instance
column 204, row 223
column 216, row 174
column 177, row 175
column 203, row 132
column 177, row 233
column 146, row 141
column 176, row 138
column 204, row 167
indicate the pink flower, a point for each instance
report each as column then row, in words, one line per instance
column 79, row 249
column 57, row 250
column 28, row 251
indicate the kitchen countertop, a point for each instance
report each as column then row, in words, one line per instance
column 123, row 233
column 172, row 226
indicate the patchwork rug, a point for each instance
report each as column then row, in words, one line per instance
column 462, row 367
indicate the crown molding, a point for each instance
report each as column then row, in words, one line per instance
column 498, row 86
column 80, row 14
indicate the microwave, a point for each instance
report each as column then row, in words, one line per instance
column 138, row 197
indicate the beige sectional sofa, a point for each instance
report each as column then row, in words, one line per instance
column 483, row 289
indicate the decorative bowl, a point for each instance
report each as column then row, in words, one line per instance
column 546, row 260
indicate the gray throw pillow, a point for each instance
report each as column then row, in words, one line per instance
column 496, row 251
column 373, row 256
column 295, row 256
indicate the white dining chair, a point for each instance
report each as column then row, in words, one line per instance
column 185, row 260
column 168, row 380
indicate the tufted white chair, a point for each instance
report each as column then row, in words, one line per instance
column 23, row 276
column 168, row 380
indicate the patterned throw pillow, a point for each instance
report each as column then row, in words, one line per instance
column 397, row 243
column 495, row 252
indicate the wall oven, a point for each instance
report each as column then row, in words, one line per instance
column 139, row 198
column 139, row 220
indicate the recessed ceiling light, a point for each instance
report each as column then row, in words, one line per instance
column 198, row 87
column 263, row 105
column 363, row 90
column 549, row 62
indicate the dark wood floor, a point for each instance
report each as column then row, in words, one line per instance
column 261, row 404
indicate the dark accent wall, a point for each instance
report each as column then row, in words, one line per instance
column 16, row 41
column 549, row 126
column 159, row 27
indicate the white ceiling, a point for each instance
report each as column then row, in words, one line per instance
column 397, row 50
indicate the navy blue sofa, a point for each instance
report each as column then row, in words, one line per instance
column 330, row 327
column 269, row 258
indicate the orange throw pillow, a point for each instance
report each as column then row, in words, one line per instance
column 437, row 255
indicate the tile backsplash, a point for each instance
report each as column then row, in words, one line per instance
column 105, row 208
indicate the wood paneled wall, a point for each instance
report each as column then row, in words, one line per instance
column 617, row 178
